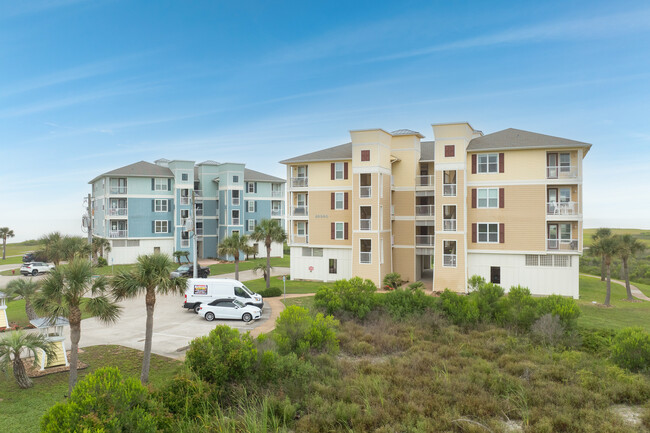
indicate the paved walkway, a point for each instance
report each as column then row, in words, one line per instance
column 635, row 290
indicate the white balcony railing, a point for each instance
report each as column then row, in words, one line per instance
column 424, row 210
column 185, row 200
column 449, row 225
column 365, row 191
column 118, row 190
column 277, row 212
column 365, row 257
column 235, row 221
column 276, row 193
column 117, row 211
column 198, row 212
column 562, row 244
column 300, row 211
column 449, row 260
column 117, row 233
column 449, row 190
column 199, row 231
column 424, row 180
column 562, row 208
column 299, row 182
column 198, row 193
column 365, row 224
column 424, row 240
column 185, row 243
column 235, row 201
column 561, row 172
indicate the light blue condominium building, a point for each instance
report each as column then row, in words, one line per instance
column 143, row 208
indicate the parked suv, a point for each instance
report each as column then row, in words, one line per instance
column 188, row 271
column 28, row 257
column 35, row 268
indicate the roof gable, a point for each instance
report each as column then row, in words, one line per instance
column 342, row 151
column 252, row 175
column 138, row 169
column 518, row 139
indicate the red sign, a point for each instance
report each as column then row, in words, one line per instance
column 311, row 269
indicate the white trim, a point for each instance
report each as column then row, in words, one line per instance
column 487, row 198
column 403, row 188
column 404, row 246
column 336, row 201
column 487, row 163
column 441, row 166
column 161, row 200
column 403, row 218
column 488, row 233
column 155, row 228
column 342, row 238
column 474, row 251
column 370, row 169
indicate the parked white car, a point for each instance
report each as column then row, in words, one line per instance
column 229, row 309
column 35, row 268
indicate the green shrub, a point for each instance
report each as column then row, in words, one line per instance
column 460, row 309
column 597, row 341
column 548, row 329
column 101, row 262
column 355, row 296
column 187, row 396
column 565, row 308
column 519, row 308
column 474, row 282
column 222, row 356
column 298, row 332
column 631, row 349
column 104, row 401
column 487, row 298
column 271, row 292
column 418, row 285
column 404, row 303
column 276, row 368
column 393, row 281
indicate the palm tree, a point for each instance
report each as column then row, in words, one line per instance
column 601, row 233
column 64, row 292
column 75, row 245
column 232, row 246
column 101, row 246
column 607, row 247
column 269, row 231
column 151, row 276
column 13, row 344
column 52, row 247
column 178, row 255
column 248, row 250
column 261, row 267
column 26, row 289
column 629, row 247
column 5, row 233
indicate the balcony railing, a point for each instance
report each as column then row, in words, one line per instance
column 299, row 182
column 449, row 225
column 365, row 257
column 185, row 243
column 561, row 172
column 235, row 221
column 117, row 211
column 562, row 208
column 277, row 212
column 424, row 210
column 424, row 180
column 424, row 240
column 365, row 191
column 449, row 190
column 449, row 260
column 365, row 224
column 198, row 212
column 199, row 231
column 185, row 200
column 117, row 233
column 562, row 244
column 118, row 190
column 300, row 211
column 276, row 193
column 235, row 201
column 300, row 239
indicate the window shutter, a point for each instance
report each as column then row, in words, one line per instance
column 153, row 205
column 473, row 198
column 365, row 155
column 450, row 150
column 501, row 162
column 345, row 200
column 169, row 184
column 169, row 226
column 153, row 227
column 333, row 231
column 345, row 170
column 169, row 205
column 474, row 232
column 345, row 231
column 333, row 199
column 255, row 188
column 332, row 170
column 502, row 198
column 255, row 206
column 153, row 184
column 474, row 164
column 502, row 233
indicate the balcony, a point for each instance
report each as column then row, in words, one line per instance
column 562, row 208
column 235, row 221
column 562, row 244
column 424, row 240
column 116, row 211
column 117, row 234
column 561, row 172
column 299, row 239
column 449, row 260
column 424, row 181
column 198, row 212
column 185, row 201
column 118, row 190
column 365, row 224
column 365, row 191
column 276, row 194
column 365, row 257
column 424, row 210
column 198, row 194
column 275, row 213
column 300, row 211
column 199, row 231
column 449, row 225
column 185, row 243
column 299, row 182
column 449, row 190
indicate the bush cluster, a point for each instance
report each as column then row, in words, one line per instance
column 101, row 262
column 271, row 292
column 297, row 331
column 631, row 349
column 355, row 296
column 401, row 304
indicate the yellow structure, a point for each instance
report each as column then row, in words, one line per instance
column 506, row 206
column 53, row 331
column 4, row 322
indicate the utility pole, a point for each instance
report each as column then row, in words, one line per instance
column 194, row 248
column 90, row 226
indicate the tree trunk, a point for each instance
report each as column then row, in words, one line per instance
column 150, row 301
column 603, row 270
column 609, row 286
column 20, row 374
column 75, row 334
column 268, row 265
column 626, row 271
column 237, row 268
column 29, row 310
column 4, row 248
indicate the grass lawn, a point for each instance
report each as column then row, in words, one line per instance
column 16, row 313
column 622, row 313
column 292, row 286
column 642, row 235
column 227, row 268
column 22, row 409
column 306, row 302
column 14, row 249
column 12, row 260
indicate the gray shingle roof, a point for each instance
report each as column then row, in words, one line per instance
column 342, row 151
column 44, row 322
column 427, row 150
column 208, row 162
column 252, row 175
column 138, row 169
column 517, row 139
column 406, row 132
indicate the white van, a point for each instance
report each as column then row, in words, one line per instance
column 204, row 290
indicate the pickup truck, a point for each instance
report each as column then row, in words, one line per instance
column 188, row 271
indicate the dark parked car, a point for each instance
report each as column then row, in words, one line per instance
column 28, row 257
column 188, row 271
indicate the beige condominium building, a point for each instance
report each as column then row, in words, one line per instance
column 506, row 206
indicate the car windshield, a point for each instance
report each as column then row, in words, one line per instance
column 246, row 289
column 183, row 268
column 238, row 303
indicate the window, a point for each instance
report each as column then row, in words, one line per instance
column 338, row 200
column 185, row 177
column 365, row 218
column 251, row 225
column 449, row 183
column 161, row 206
column 562, row 261
column 546, row 260
column 235, row 179
column 565, row 232
column 300, row 228
column 365, row 155
column 488, row 163
column 339, row 229
column 365, row 251
column 161, row 184
column 488, row 197
column 132, row 243
column 488, row 233
column 450, row 151
column 495, row 274
column 235, row 217
column 250, row 187
column 161, row 227
column 332, row 266
column 449, row 218
column 449, row 254
column 565, row 162
column 251, row 205
column 312, row 252
column 565, row 195
column 235, row 197
column 365, row 185
column 532, row 260
column 339, row 170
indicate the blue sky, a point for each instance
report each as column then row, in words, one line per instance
column 89, row 86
